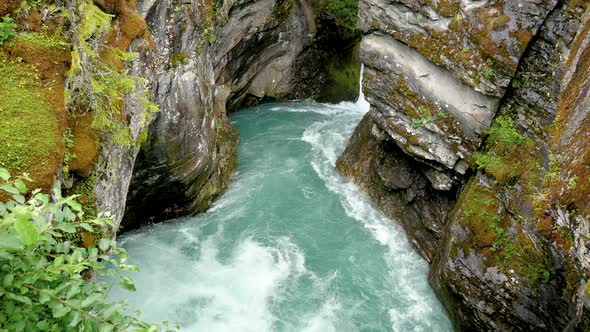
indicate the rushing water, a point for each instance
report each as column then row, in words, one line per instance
column 291, row 246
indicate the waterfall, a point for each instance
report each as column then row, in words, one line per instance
column 361, row 102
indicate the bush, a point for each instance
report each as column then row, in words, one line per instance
column 46, row 249
column 7, row 29
column 345, row 11
column 504, row 143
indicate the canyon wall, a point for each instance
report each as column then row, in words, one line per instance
column 474, row 143
column 213, row 58
column 195, row 61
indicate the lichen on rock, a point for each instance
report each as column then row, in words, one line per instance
column 509, row 250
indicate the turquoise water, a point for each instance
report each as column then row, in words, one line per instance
column 291, row 246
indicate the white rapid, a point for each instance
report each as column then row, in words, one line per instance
column 292, row 246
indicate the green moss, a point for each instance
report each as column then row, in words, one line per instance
column 499, row 236
column 55, row 40
column 179, row 59
column 29, row 128
column 283, row 9
column 6, row 29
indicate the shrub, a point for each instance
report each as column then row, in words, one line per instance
column 7, row 29
column 345, row 11
column 46, row 249
column 504, row 143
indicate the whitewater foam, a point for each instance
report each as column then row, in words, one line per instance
column 291, row 246
column 408, row 281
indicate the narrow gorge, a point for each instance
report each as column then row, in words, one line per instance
column 228, row 146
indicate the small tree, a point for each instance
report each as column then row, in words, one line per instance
column 7, row 29
column 46, row 249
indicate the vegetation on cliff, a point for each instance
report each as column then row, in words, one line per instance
column 63, row 87
column 345, row 11
column 32, row 67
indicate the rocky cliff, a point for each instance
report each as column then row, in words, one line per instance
column 473, row 143
column 195, row 61
column 212, row 58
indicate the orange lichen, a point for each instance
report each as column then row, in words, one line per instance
column 8, row 6
column 127, row 26
column 523, row 36
column 84, row 146
column 89, row 239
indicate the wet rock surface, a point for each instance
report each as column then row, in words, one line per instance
column 208, row 60
column 506, row 242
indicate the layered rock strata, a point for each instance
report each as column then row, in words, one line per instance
column 506, row 243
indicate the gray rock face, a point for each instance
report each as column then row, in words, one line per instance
column 434, row 72
column 278, row 49
column 447, row 117
column 433, row 77
column 206, row 61
column 506, row 256
column 535, row 288
column 178, row 169
column 114, row 167
column 257, row 49
column 480, row 42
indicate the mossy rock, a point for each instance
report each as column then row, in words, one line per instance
column 84, row 146
column 32, row 108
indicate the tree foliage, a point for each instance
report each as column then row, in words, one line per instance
column 345, row 11
column 7, row 27
column 47, row 248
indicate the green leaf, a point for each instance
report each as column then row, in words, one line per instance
column 43, row 298
column 75, row 318
column 92, row 252
column 86, row 226
column 5, row 255
column 60, row 311
column 66, row 227
column 104, row 244
column 19, row 298
column 8, row 279
column 4, row 174
column 75, row 205
column 27, row 231
column 20, row 185
column 127, row 283
column 9, row 241
column 115, row 307
column 19, row 198
column 75, row 290
column 91, row 299
column 9, row 189
column 42, row 326
column 105, row 328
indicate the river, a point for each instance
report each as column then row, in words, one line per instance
column 291, row 246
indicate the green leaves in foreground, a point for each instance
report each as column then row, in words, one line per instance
column 47, row 253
